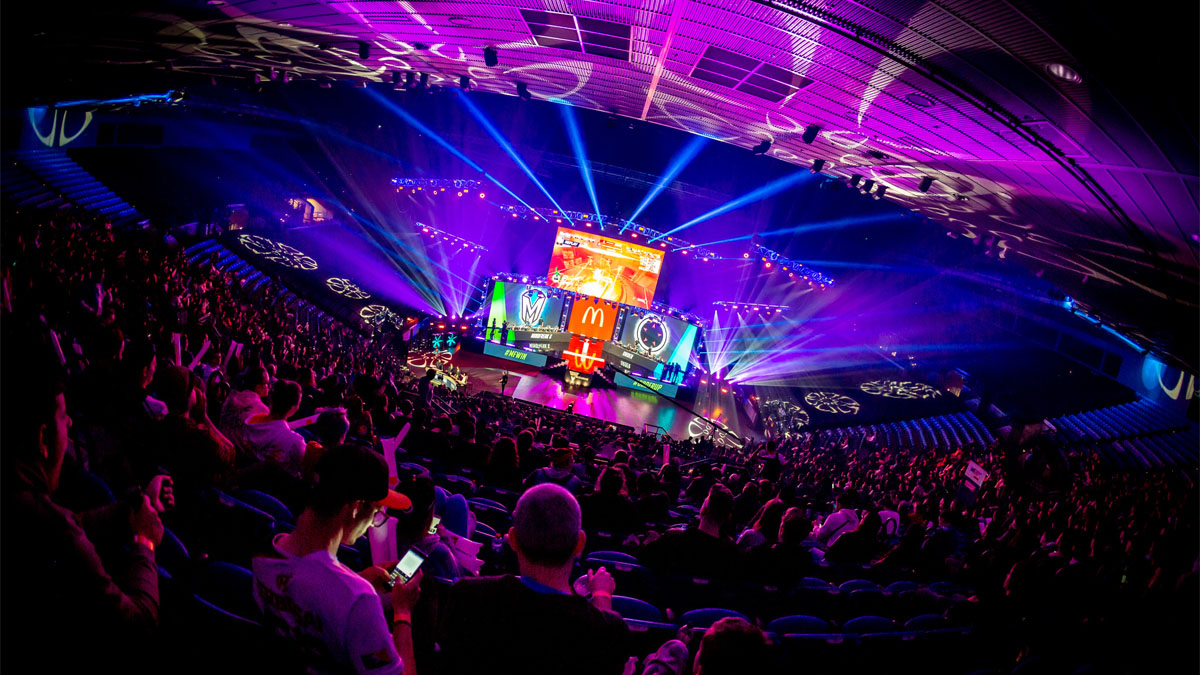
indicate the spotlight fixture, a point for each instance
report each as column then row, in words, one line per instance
column 879, row 191
column 424, row 80
column 1063, row 72
column 810, row 133
column 867, row 185
column 926, row 183
column 854, row 180
column 364, row 51
column 523, row 92
column 410, row 79
column 761, row 148
column 490, row 57
column 817, row 165
column 464, row 82
column 397, row 76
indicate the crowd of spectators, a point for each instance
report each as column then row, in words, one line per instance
column 171, row 381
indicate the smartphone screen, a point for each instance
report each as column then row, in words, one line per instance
column 408, row 566
column 433, row 525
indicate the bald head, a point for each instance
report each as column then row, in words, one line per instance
column 546, row 524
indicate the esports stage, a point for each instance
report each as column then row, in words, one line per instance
column 589, row 339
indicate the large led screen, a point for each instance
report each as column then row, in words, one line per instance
column 522, row 306
column 612, row 269
column 663, row 338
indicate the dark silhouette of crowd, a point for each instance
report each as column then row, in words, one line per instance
column 155, row 407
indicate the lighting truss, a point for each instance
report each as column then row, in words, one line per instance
column 436, row 183
column 451, row 240
column 749, row 306
column 674, row 244
column 792, row 266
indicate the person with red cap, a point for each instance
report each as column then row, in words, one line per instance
column 332, row 614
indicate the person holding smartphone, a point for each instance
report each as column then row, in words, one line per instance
column 97, row 566
column 332, row 614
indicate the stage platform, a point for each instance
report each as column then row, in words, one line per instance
column 622, row 406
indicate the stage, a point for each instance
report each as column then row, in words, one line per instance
column 632, row 408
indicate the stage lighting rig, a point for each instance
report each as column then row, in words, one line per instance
column 761, row 148
column 854, row 180
column 364, row 51
column 817, row 165
column 810, row 133
column 867, row 186
column 879, row 191
column 464, row 82
column 523, row 92
column 490, row 57
column 926, row 183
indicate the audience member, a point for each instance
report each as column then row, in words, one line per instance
column 334, row 616
column 534, row 623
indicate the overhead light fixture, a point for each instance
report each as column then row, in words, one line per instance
column 854, row 179
column 364, row 51
column 761, row 148
column 1063, row 72
column 464, row 82
column 867, row 185
column 490, row 57
column 810, row 133
column 410, row 79
column 926, row 183
column 424, row 80
column 817, row 165
column 879, row 191
column 919, row 100
column 523, row 92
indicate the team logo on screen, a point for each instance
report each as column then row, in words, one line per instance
column 533, row 301
column 594, row 316
column 652, row 334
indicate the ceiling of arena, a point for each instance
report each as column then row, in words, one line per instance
column 1043, row 138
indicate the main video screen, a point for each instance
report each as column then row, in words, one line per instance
column 522, row 306
column 611, row 269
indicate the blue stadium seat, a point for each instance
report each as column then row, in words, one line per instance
column 858, row 585
column 228, row 586
column 640, row 610
column 925, row 622
column 703, row 618
column 798, row 623
column 507, row 498
column 615, row 556
column 868, row 624
column 267, row 504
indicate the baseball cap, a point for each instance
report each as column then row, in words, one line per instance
column 351, row 472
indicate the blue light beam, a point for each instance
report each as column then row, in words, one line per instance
column 678, row 163
column 585, row 167
column 774, row 187
column 508, row 148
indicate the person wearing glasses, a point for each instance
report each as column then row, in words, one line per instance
column 331, row 614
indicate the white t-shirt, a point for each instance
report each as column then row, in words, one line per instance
column 274, row 441
column 838, row 523
column 333, row 615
